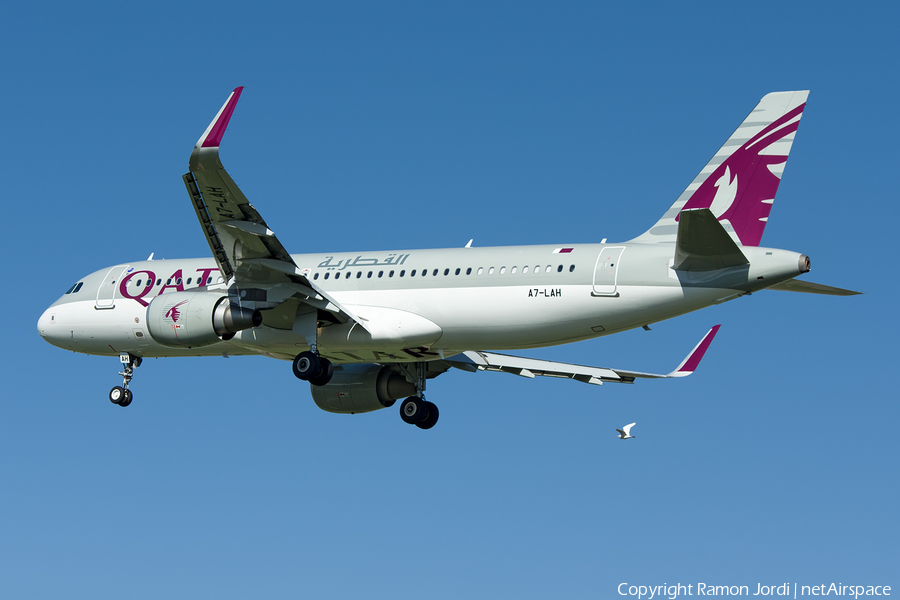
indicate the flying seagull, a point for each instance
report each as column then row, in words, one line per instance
column 625, row 432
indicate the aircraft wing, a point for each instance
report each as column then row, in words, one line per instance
column 246, row 250
column 237, row 234
column 530, row 367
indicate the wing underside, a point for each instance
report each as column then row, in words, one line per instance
column 247, row 252
column 531, row 367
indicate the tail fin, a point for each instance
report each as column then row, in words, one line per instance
column 739, row 183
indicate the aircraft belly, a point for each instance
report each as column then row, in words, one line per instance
column 516, row 317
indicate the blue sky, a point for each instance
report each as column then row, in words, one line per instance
column 419, row 125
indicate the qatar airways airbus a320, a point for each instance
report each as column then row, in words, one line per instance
column 368, row 328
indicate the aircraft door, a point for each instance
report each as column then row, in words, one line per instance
column 606, row 271
column 106, row 293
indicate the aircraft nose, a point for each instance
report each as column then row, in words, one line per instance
column 45, row 321
column 48, row 326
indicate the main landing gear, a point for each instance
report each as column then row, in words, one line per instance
column 311, row 367
column 419, row 412
column 416, row 410
column 120, row 394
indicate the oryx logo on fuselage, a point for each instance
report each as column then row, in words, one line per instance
column 175, row 314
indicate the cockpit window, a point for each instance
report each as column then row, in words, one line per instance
column 78, row 287
column 72, row 289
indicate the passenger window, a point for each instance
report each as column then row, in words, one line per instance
column 188, row 281
column 380, row 273
column 178, row 281
column 469, row 271
column 412, row 273
column 220, row 280
column 316, row 276
column 480, row 270
column 502, row 270
column 159, row 281
column 491, row 271
column 548, row 268
column 326, row 275
column 435, row 273
column 358, row 274
column 391, row 274
column 137, row 283
column 209, row 280
column 369, row 275
column 169, row 281
column 402, row 273
column 571, row 268
column 513, row 271
column 537, row 269
column 524, row 269
column 559, row 269
column 457, row 270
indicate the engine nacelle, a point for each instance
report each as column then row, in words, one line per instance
column 193, row 319
column 361, row 388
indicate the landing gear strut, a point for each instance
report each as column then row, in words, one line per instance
column 416, row 410
column 120, row 394
column 311, row 367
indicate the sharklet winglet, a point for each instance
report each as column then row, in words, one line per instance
column 213, row 134
column 689, row 364
column 205, row 156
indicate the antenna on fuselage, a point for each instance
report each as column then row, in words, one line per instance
column 151, row 256
column 469, row 245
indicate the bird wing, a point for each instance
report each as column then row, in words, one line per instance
column 628, row 427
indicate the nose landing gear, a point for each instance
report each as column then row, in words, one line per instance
column 120, row 394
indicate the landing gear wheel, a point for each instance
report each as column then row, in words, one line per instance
column 129, row 396
column 432, row 417
column 117, row 395
column 326, row 373
column 414, row 410
column 307, row 366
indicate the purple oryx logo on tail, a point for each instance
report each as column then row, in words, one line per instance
column 742, row 189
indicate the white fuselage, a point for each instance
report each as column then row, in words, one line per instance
column 421, row 304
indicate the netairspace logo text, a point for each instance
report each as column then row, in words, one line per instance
column 784, row 589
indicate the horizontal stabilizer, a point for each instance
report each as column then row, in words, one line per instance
column 531, row 367
column 703, row 244
column 808, row 287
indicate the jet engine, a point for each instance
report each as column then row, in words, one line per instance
column 193, row 319
column 361, row 388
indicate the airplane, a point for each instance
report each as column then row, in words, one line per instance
column 366, row 329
